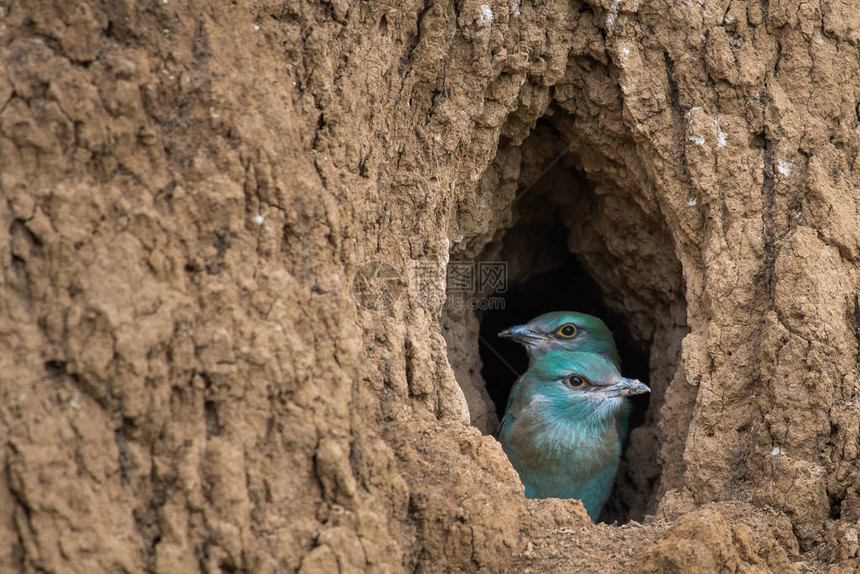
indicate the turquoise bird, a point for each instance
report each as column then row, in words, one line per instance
column 564, row 331
column 564, row 426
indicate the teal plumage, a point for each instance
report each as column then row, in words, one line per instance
column 567, row 331
column 564, row 331
column 564, row 425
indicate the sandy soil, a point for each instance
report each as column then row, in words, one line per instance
column 203, row 369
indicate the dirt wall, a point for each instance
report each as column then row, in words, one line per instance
column 204, row 365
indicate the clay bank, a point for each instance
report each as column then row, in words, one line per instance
column 255, row 256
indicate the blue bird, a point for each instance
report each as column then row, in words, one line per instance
column 564, row 330
column 564, row 426
column 568, row 331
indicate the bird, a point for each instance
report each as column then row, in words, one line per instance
column 564, row 330
column 564, row 426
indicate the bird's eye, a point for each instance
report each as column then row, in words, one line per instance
column 568, row 330
column 575, row 381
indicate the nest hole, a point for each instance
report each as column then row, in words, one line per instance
column 569, row 287
column 584, row 243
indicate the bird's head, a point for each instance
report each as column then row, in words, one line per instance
column 587, row 382
column 564, row 331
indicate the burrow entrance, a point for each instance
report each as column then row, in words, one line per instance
column 568, row 287
column 580, row 242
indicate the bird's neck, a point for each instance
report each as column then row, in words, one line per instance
column 582, row 427
column 589, row 415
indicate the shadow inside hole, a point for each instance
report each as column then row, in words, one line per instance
column 567, row 288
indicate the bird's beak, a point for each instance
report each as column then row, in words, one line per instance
column 626, row 387
column 521, row 334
